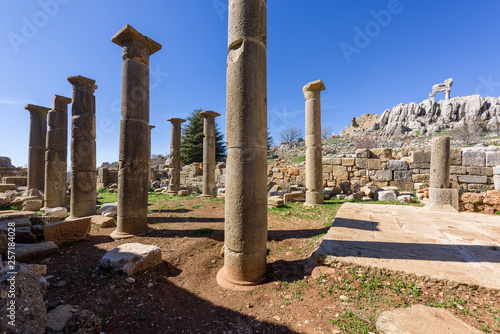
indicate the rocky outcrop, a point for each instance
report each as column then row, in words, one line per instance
column 5, row 162
column 360, row 124
column 430, row 116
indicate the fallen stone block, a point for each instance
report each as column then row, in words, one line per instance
column 22, row 234
column 20, row 181
column 386, row 195
column 57, row 214
column 131, row 258
column 58, row 318
column 108, row 210
column 67, row 230
column 422, row 319
column 103, row 221
column 275, row 201
column 7, row 186
column 32, row 205
column 15, row 214
column 28, row 298
column 19, row 222
column 27, row 252
column 405, row 198
column 296, row 196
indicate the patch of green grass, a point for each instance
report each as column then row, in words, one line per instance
column 348, row 322
column 298, row 159
column 194, row 207
column 10, row 207
column 202, row 232
column 107, row 197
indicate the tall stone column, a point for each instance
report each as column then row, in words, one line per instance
column 36, row 154
column 133, row 183
column 174, row 170
column 83, row 148
column 314, row 164
column 56, row 153
column 209, row 153
column 151, row 127
column 246, row 132
column 441, row 198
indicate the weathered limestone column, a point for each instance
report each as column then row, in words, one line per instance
column 133, row 183
column 56, row 154
column 441, row 197
column 174, row 171
column 246, row 132
column 209, row 153
column 314, row 163
column 83, row 148
column 151, row 127
column 36, row 154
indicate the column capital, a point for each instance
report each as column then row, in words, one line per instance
column 314, row 86
column 135, row 45
column 176, row 120
column 35, row 108
column 59, row 99
column 209, row 113
column 82, row 83
column 151, row 127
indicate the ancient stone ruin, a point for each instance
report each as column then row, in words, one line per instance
column 209, row 153
column 246, row 133
column 444, row 87
column 36, row 153
column 174, row 162
column 133, row 182
column 314, row 172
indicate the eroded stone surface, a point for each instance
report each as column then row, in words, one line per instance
column 422, row 319
column 67, row 231
column 131, row 258
column 404, row 239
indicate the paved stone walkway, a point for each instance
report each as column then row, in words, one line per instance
column 456, row 247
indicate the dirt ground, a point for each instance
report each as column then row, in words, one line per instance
column 182, row 296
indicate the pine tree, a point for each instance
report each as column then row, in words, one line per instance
column 192, row 139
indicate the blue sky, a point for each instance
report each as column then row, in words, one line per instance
column 371, row 55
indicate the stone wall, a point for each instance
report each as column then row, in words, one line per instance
column 471, row 169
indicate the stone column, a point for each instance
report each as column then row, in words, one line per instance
column 314, row 164
column 174, row 170
column 56, row 154
column 133, row 184
column 209, row 153
column 246, row 132
column 83, row 148
column 36, row 154
column 151, row 127
column 441, row 198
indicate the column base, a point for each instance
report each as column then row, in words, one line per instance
column 227, row 283
column 115, row 235
column 445, row 200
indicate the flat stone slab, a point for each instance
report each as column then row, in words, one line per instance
column 461, row 248
column 102, row 221
column 27, row 252
column 131, row 258
column 15, row 214
column 420, row 319
column 67, row 230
